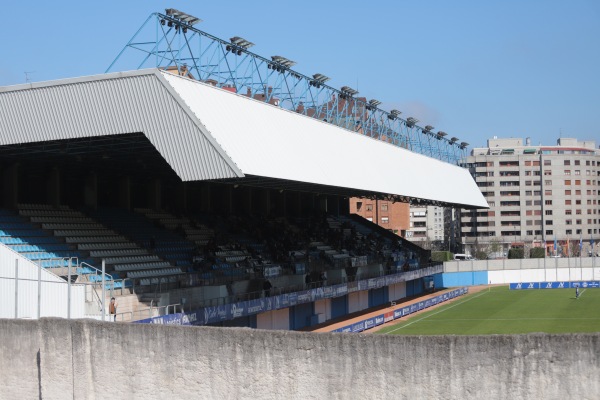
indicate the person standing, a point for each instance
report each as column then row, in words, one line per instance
column 577, row 291
column 112, row 308
column 267, row 288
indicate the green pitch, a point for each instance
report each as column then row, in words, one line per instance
column 503, row 311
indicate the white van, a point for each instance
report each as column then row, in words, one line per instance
column 462, row 257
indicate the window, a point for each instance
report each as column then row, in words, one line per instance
column 369, row 207
column 567, row 212
column 578, row 222
column 569, row 222
column 527, row 173
column 548, row 202
column 578, row 192
column 384, row 207
column 567, row 162
column 567, row 192
column 577, row 182
column 528, row 193
column 547, row 162
column 567, row 202
column 549, row 232
column 547, row 172
column 528, row 202
column 385, row 220
column 548, row 192
column 578, row 212
column 577, row 172
column 549, row 222
column 567, row 172
column 358, row 205
column 548, row 212
column 548, row 183
column 569, row 231
column 577, row 162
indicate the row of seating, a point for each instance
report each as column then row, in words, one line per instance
column 34, row 206
column 141, row 266
column 72, row 226
column 28, row 248
column 131, row 259
column 50, row 213
column 118, row 253
column 154, row 273
column 95, row 239
column 106, row 246
column 20, row 229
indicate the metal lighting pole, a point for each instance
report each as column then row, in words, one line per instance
column 103, row 289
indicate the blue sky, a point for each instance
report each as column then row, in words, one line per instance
column 474, row 69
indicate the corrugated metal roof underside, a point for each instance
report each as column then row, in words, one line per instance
column 118, row 104
column 267, row 141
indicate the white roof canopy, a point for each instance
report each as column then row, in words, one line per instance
column 206, row 133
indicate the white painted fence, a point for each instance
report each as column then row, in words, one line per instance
column 28, row 291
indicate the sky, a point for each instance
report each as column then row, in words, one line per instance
column 474, row 69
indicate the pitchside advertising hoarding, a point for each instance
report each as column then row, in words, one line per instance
column 554, row 285
column 401, row 312
column 213, row 314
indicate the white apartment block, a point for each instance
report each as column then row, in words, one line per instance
column 539, row 196
column 426, row 225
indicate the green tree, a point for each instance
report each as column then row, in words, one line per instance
column 537, row 252
column 516, row 252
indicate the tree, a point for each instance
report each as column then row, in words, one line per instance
column 537, row 252
column 516, row 252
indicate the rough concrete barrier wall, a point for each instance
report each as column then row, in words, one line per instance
column 85, row 359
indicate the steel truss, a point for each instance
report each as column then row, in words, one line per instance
column 170, row 41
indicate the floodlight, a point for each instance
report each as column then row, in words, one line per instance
column 463, row 145
column 410, row 122
column 183, row 17
column 348, row 90
column 241, row 42
column 441, row 134
column 428, row 128
column 321, row 78
column 454, row 139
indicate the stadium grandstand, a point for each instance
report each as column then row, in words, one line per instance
column 176, row 194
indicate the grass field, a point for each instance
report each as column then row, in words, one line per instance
column 503, row 311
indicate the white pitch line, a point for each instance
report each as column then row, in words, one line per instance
column 441, row 311
column 581, row 294
column 513, row 319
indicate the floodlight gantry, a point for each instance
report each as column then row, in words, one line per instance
column 171, row 39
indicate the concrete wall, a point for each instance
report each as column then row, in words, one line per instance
column 57, row 359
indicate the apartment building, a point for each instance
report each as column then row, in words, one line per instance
column 539, row 196
column 387, row 214
column 427, row 227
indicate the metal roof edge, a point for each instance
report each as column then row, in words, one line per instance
column 177, row 98
column 80, row 79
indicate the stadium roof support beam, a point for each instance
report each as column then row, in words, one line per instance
column 170, row 39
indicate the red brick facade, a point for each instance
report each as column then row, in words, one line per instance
column 388, row 215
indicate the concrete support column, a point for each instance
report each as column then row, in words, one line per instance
column 322, row 203
column 90, row 191
column 125, row 192
column 154, row 194
column 228, row 194
column 205, row 190
column 247, row 200
column 53, row 187
column 265, row 201
column 11, row 186
column 182, row 197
